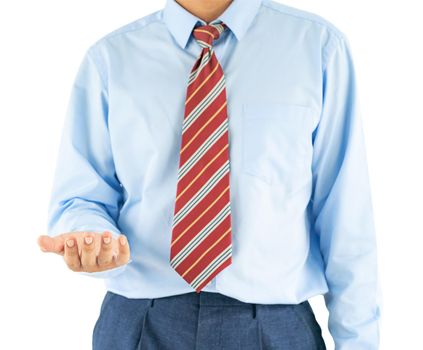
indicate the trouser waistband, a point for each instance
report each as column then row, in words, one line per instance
column 208, row 299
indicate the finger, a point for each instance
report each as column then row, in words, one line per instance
column 51, row 244
column 124, row 252
column 71, row 255
column 88, row 253
column 105, row 256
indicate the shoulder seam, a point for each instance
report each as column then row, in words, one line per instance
column 322, row 23
column 96, row 65
column 143, row 23
column 93, row 50
column 337, row 36
column 330, row 52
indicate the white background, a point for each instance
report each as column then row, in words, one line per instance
column 45, row 306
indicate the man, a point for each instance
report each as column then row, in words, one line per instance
column 213, row 171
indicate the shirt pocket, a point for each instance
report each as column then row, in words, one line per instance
column 277, row 143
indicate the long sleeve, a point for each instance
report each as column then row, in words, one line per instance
column 86, row 193
column 342, row 209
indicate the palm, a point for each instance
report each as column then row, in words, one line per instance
column 88, row 251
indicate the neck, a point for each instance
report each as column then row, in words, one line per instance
column 207, row 10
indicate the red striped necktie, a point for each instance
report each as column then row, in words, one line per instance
column 201, row 243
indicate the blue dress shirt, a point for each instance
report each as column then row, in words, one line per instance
column 300, row 196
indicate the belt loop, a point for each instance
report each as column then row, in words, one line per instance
column 254, row 310
column 152, row 302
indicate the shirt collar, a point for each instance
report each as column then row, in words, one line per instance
column 237, row 16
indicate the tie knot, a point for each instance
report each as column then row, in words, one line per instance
column 207, row 34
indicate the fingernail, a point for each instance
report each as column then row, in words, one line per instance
column 106, row 240
column 122, row 240
column 70, row 243
column 88, row 239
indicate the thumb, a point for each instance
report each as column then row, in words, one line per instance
column 51, row 244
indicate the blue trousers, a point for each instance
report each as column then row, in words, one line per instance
column 204, row 321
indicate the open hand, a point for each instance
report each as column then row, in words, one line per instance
column 88, row 251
